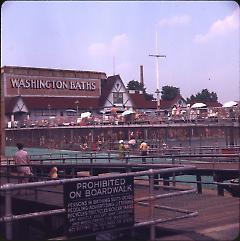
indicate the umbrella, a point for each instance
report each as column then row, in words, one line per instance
column 198, row 105
column 132, row 142
column 127, row 112
column 230, row 104
column 71, row 110
column 86, row 114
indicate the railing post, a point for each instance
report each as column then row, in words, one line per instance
column 91, row 160
column 165, row 180
column 174, row 176
column 151, row 206
column 8, row 165
column 220, row 190
column 8, row 212
column 199, row 184
column 126, row 158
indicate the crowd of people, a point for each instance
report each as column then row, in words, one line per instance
column 133, row 142
column 176, row 114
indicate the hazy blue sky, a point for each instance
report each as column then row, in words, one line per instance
column 200, row 39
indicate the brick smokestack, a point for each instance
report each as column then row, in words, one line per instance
column 141, row 75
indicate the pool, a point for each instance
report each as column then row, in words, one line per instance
column 54, row 153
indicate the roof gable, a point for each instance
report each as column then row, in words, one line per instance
column 168, row 104
column 20, row 106
column 106, row 87
column 140, row 102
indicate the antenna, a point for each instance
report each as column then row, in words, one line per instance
column 113, row 65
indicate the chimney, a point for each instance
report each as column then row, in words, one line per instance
column 141, row 75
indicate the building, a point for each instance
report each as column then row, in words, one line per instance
column 140, row 103
column 35, row 93
column 178, row 101
column 41, row 93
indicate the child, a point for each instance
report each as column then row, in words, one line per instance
column 53, row 173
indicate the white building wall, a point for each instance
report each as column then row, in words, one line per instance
column 118, row 87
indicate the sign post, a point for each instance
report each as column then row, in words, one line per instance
column 98, row 205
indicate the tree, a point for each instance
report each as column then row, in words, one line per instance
column 135, row 85
column 148, row 96
column 203, row 96
column 169, row 92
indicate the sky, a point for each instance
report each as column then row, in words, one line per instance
column 199, row 38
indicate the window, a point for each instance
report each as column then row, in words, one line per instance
column 117, row 98
column 45, row 113
column 39, row 113
column 70, row 113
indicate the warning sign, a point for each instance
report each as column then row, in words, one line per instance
column 98, row 205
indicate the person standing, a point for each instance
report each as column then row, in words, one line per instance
column 21, row 157
column 143, row 149
column 121, row 150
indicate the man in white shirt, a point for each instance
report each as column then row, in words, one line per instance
column 21, row 157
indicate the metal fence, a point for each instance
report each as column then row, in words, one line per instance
column 147, row 200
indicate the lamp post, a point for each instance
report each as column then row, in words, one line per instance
column 77, row 102
column 157, row 56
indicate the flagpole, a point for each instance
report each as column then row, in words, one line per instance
column 157, row 56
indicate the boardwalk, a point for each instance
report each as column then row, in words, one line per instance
column 217, row 219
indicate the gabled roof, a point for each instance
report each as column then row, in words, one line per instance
column 140, row 102
column 168, row 104
column 106, row 87
column 10, row 103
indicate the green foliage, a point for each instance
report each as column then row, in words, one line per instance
column 203, row 96
column 169, row 92
column 135, row 85
column 148, row 96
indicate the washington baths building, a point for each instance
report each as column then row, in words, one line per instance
column 37, row 93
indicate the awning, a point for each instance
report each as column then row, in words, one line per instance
column 71, row 110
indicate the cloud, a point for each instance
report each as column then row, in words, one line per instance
column 174, row 21
column 123, row 67
column 220, row 27
column 116, row 45
column 97, row 49
column 119, row 42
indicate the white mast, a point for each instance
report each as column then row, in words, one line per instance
column 157, row 62
column 157, row 56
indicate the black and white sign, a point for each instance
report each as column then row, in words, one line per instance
column 98, row 205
